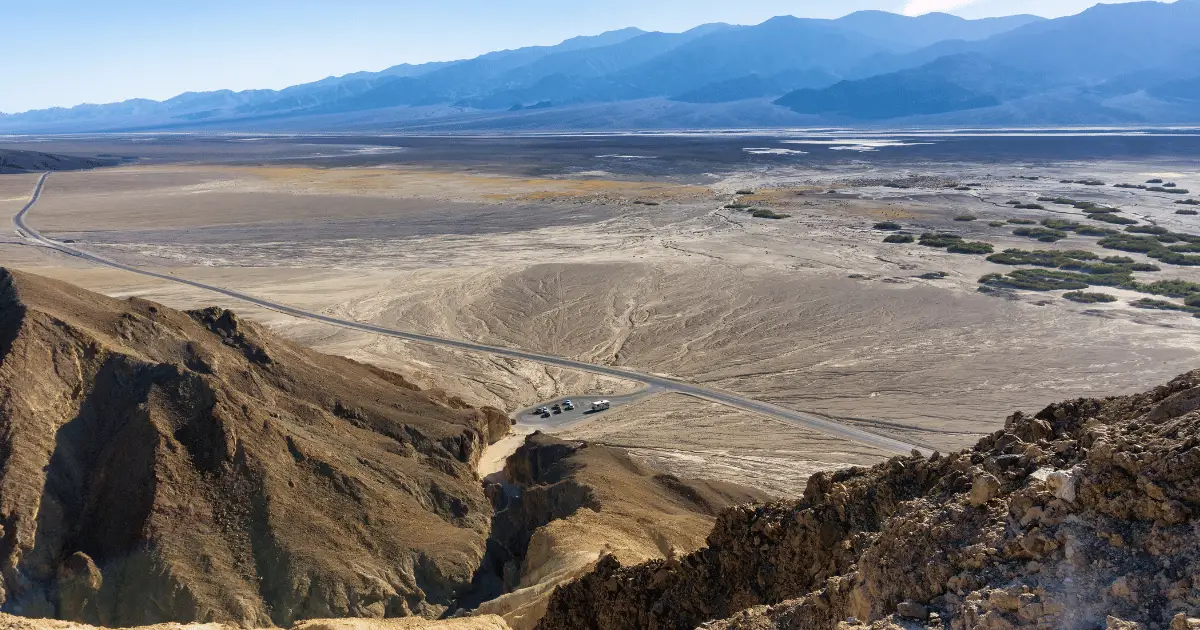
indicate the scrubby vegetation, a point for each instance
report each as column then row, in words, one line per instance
column 1071, row 260
column 933, row 275
column 997, row 224
column 1189, row 202
column 1154, row 181
column 1169, row 190
column 1147, row 229
column 1036, row 280
column 887, row 225
column 1086, row 206
column 1022, row 221
column 1187, row 211
column 744, row 192
column 737, row 206
column 966, row 217
column 1163, row 305
column 1091, row 230
column 1042, row 234
column 1060, row 224
column 763, row 213
column 1154, row 246
column 1086, row 297
column 1084, row 182
column 931, row 239
column 1107, row 217
column 973, row 247
column 899, row 238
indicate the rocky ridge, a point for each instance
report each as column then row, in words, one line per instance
column 160, row 466
column 1082, row 516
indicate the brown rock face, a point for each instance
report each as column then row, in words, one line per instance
column 162, row 466
column 1083, row 516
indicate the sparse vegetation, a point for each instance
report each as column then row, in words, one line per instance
column 1042, row 258
column 737, row 206
column 1036, row 280
column 1187, row 211
column 763, row 213
column 899, row 238
column 1111, row 218
column 933, row 275
column 1091, row 230
column 1172, row 191
column 744, row 192
column 1147, row 229
column 966, row 217
column 999, row 223
column 973, row 247
column 1154, row 181
column 1189, row 202
column 1022, row 221
column 1059, row 224
column 887, row 225
column 941, row 240
column 1042, row 234
column 1084, row 182
column 1086, row 297
column 1163, row 305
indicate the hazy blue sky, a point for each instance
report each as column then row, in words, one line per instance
column 76, row 51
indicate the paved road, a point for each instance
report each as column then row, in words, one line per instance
column 800, row 418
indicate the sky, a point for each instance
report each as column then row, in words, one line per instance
column 87, row 51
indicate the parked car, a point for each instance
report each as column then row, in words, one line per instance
column 568, row 405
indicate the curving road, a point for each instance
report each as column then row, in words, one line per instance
column 806, row 420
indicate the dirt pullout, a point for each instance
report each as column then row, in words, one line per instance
column 162, row 466
column 1081, row 516
column 690, row 437
column 564, row 504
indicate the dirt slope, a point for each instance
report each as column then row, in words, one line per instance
column 163, row 466
column 564, row 504
column 10, row 622
column 1083, row 516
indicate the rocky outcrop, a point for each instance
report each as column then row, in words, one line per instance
column 162, row 466
column 487, row 622
column 564, row 504
column 1081, row 516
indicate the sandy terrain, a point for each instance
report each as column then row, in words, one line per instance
column 811, row 312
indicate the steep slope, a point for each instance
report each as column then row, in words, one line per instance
column 166, row 466
column 1081, row 516
column 949, row 84
column 562, row 504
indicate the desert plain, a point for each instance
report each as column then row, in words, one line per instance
column 645, row 252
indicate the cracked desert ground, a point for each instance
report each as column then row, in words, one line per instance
column 812, row 312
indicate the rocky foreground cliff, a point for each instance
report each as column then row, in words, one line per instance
column 163, row 466
column 1082, row 516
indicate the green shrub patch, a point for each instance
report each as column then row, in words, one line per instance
column 1086, row 297
column 899, row 238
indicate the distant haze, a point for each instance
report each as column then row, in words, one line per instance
column 79, row 51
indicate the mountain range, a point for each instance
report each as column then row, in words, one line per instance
column 1130, row 63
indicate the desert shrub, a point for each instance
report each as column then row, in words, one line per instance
column 1117, row 260
column 1085, row 297
column 1173, row 191
column 933, row 275
column 973, row 247
column 1059, row 224
column 1189, row 202
column 744, row 192
column 1128, row 243
column 899, row 238
column 1138, row 186
column 1175, row 258
column 966, row 217
column 1043, row 258
column 1185, row 248
column 1163, row 305
column 887, row 225
column 1089, row 230
column 737, row 206
column 1154, row 181
column 1094, row 209
column 1147, row 229
column 1002, row 223
column 767, row 214
column 1169, row 288
column 1110, row 218
column 1044, row 235
column 1022, row 221
column 1187, row 211
column 1193, row 301
column 1037, row 280
column 1030, row 206
column 930, row 239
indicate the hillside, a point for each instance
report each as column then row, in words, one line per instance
column 165, row 466
column 1081, row 516
column 12, row 161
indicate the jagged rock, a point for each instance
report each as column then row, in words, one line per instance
column 912, row 610
column 1099, row 520
column 164, row 466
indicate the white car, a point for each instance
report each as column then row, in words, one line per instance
column 568, row 405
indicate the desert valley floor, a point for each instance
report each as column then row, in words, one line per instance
column 646, row 252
